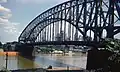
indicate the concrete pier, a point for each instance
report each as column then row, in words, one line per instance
column 99, row 59
column 25, row 50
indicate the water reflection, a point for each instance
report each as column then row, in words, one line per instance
column 44, row 60
column 24, row 63
column 2, row 61
column 59, row 60
column 17, row 62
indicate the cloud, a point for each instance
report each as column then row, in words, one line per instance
column 3, row 1
column 8, row 30
column 7, row 26
column 4, row 9
column 5, row 12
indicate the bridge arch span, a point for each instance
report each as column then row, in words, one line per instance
column 80, row 13
column 67, row 9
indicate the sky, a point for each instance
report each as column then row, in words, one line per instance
column 16, row 14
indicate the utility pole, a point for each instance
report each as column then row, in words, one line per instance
column 6, row 59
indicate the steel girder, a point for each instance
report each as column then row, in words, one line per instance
column 86, row 14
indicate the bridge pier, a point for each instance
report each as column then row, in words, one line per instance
column 25, row 50
column 98, row 59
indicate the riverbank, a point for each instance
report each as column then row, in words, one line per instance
column 30, row 70
column 65, row 69
column 56, row 69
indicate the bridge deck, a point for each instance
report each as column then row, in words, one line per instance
column 87, row 43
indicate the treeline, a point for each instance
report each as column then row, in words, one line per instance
column 1, row 45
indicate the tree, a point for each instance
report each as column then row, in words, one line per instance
column 112, row 45
column 0, row 45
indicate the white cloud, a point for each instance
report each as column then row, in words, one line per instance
column 8, row 26
column 8, row 30
column 5, row 12
column 4, row 9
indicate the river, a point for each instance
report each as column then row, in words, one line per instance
column 44, row 60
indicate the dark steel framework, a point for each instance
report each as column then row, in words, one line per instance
column 69, row 20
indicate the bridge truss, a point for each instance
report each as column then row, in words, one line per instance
column 74, row 20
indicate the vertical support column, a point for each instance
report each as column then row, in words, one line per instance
column 53, row 35
column 92, row 5
column 84, row 20
column 45, row 35
column 77, row 14
column 65, row 24
column 40, row 37
column 69, row 30
column 47, row 32
column 73, row 22
column 100, row 20
column 61, row 20
column 110, row 29
column 50, row 30
column 96, row 20
column 57, row 24
column 50, row 25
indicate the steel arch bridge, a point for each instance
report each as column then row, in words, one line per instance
column 73, row 21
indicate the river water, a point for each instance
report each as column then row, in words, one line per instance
column 44, row 60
